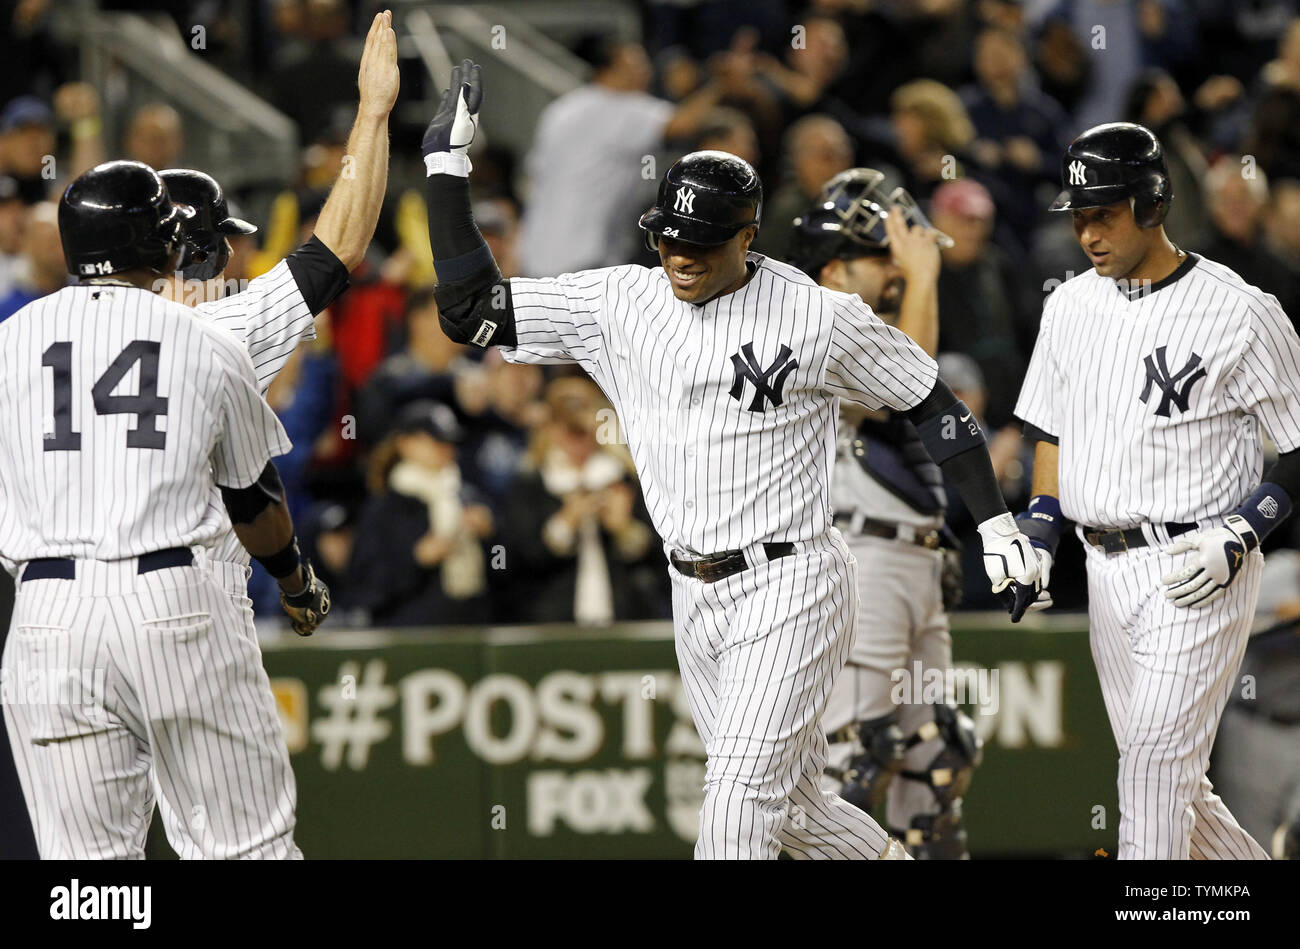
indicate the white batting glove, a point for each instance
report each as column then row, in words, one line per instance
column 1011, row 563
column 448, row 137
column 1219, row 555
column 1044, row 600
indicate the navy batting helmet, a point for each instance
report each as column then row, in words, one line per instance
column 119, row 216
column 1115, row 162
column 706, row 197
column 206, row 254
column 848, row 220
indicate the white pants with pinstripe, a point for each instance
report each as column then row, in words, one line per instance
column 759, row 652
column 178, row 710
column 1166, row 674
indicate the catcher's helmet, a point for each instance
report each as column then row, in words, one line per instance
column 705, row 198
column 1114, row 162
column 848, row 220
column 118, row 216
column 206, row 254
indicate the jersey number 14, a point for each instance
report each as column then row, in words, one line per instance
column 146, row 405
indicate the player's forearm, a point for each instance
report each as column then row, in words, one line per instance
column 474, row 303
column 269, row 540
column 347, row 222
column 1046, row 457
column 918, row 317
column 955, row 441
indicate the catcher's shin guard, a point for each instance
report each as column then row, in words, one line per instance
column 868, row 773
column 940, row 835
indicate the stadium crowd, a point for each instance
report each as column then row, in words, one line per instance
column 433, row 481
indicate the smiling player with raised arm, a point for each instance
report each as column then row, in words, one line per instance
column 726, row 369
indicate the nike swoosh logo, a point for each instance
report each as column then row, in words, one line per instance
column 966, row 417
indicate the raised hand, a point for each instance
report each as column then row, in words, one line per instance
column 448, row 137
column 378, row 78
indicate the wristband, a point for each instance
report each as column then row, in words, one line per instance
column 447, row 163
column 284, row 562
column 1268, row 507
column 1043, row 522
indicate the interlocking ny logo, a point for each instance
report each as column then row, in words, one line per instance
column 1076, row 173
column 685, row 200
column 747, row 367
column 1158, row 374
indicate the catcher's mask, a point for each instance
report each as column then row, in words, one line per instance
column 848, row 220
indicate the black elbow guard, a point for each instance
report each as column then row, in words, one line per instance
column 244, row 504
column 946, row 426
column 477, row 309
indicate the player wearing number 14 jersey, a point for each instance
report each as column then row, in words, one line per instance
column 129, row 680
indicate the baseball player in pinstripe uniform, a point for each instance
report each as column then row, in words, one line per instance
column 137, row 681
column 1151, row 377
column 889, row 502
column 270, row 317
column 726, row 370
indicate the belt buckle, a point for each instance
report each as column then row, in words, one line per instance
column 1113, row 542
column 708, row 570
column 931, row 540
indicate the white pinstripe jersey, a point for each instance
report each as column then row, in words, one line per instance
column 729, row 408
column 121, row 408
column 1157, row 398
column 271, row 318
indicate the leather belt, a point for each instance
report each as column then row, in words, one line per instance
column 721, row 565
column 904, row 533
column 1117, row 541
column 65, row 568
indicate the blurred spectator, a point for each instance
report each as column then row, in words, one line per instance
column 13, row 232
column 1121, row 38
column 1285, row 70
column 27, row 142
column 1282, row 224
column 1238, row 201
column 500, row 403
column 703, row 27
column 589, row 156
column 726, row 129
column 1019, row 129
column 1237, row 36
column 817, row 149
column 932, row 132
column 28, row 49
column 327, row 533
column 155, row 137
column 43, row 270
column 1064, row 67
column 418, row 557
column 1156, row 102
column 981, row 294
column 808, row 68
column 1273, row 137
column 425, row 368
column 310, row 78
column 579, row 544
column 498, row 221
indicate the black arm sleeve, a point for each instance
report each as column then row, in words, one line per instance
column 473, row 301
column 244, row 504
column 945, row 426
column 1035, row 434
column 321, row 277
